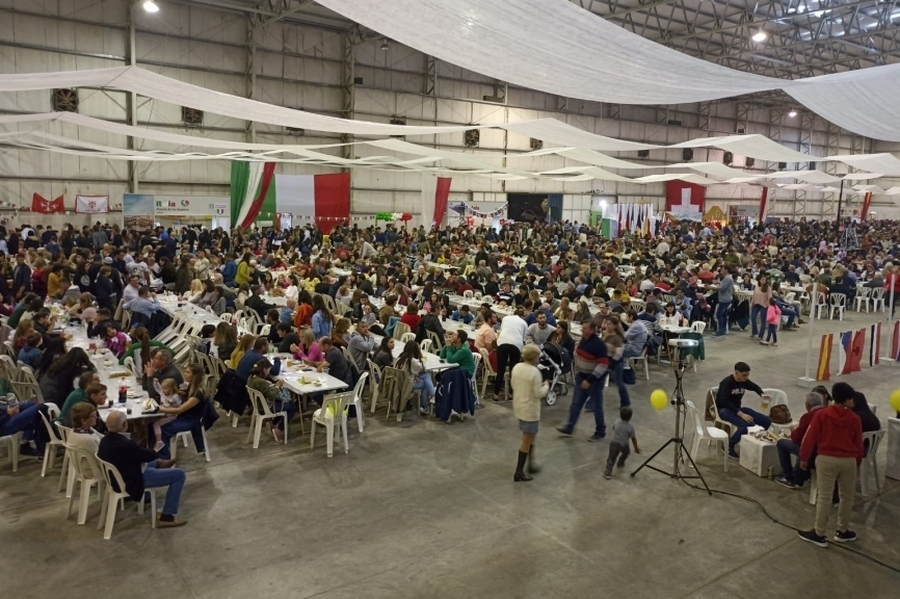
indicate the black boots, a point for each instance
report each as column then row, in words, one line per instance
column 520, row 468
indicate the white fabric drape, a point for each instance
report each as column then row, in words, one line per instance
column 559, row 48
column 256, row 171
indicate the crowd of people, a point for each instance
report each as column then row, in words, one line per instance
column 523, row 287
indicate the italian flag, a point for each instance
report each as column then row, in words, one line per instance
column 323, row 199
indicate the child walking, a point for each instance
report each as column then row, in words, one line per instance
column 773, row 319
column 622, row 432
column 169, row 397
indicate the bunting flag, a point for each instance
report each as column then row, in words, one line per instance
column 44, row 206
column 823, row 370
column 895, row 342
column 867, row 202
column 851, row 350
column 763, row 204
column 875, row 344
column 845, row 341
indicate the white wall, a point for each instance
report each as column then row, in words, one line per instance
column 300, row 66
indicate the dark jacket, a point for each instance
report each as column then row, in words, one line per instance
column 429, row 322
column 731, row 393
column 454, row 394
column 128, row 457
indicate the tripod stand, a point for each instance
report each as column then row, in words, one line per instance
column 678, row 365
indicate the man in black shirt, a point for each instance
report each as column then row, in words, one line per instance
column 128, row 457
column 728, row 405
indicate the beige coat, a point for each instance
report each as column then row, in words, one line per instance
column 528, row 390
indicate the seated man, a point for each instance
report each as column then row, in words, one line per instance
column 635, row 336
column 128, row 457
column 458, row 352
column 728, row 405
column 249, row 359
column 144, row 304
column 790, row 477
column 23, row 418
column 160, row 368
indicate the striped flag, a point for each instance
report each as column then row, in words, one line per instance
column 823, row 370
column 875, row 344
column 845, row 340
column 857, row 349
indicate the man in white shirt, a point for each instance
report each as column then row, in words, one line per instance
column 662, row 248
column 131, row 289
column 201, row 266
column 510, row 342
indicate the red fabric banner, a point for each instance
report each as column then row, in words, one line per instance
column 685, row 198
column 763, row 204
column 441, row 200
column 332, row 200
column 267, row 176
column 43, row 206
column 867, row 202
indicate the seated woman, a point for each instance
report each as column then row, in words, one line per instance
column 279, row 399
column 411, row 360
column 140, row 346
column 189, row 413
column 308, row 350
column 30, row 354
column 246, row 342
column 83, row 436
column 116, row 340
column 384, row 354
column 57, row 381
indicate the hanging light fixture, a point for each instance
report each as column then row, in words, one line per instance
column 760, row 36
column 384, row 44
column 792, row 113
column 151, row 6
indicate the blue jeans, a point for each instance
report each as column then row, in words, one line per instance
column 791, row 314
column 425, row 385
column 772, row 334
column 787, row 448
column 617, row 370
column 173, row 478
column 722, row 318
column 179, row 426
column 580, row 396
column 287, row 406
column 741, row 425
column 758, row 313
column 23, row 422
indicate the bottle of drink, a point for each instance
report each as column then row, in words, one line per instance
column 123, row 392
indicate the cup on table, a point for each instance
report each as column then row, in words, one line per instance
column 290, row 362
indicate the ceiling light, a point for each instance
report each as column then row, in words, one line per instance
column 150, row 6
column 760, row 36
column 792, row 113
column 384, row 45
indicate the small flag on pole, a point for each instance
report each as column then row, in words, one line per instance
column 875, row 344
column 845, row 340
column 823, row 370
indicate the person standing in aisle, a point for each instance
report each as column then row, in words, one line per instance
column 725, row 296
column 590, row 364
column 835, row 435
column 529, row 389
column 510, row 342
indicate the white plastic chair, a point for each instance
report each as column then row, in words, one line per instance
column 408, row 337
column 698, row 327
column 374, row 383
column 54, row 442
column 358, row 400
column 130, row 365
column 88, row 474
column 112, row 499
column 645, row 358
column 436, row 341
column 487, row 372
column 469, row 293
column 862, row 298
column 877, row 297
column 400, row 330
column 183, row 436
column 425, row 345
column 12, row 443
column 838, row 303
column 261, row 413
column 870, row 462
column 710, row 433
column 333, row 412
column 821, row 306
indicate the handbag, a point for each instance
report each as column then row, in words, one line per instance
column 780, row 414
column 629, row 376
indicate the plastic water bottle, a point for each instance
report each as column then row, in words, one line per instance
column 123, row 392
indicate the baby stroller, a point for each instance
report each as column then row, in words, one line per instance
column 553, row 363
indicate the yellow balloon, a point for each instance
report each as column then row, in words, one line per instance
column 895, row 400
column 659, row 399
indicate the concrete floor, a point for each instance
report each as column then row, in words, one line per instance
column 425, row 509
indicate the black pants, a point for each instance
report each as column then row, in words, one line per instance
column 617, row 451
column 507, row 356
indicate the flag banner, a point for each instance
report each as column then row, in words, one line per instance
column 42, row 205
column 685, row 200
column 874, row 344
column 823, row 370
column 867, row 202
column 763, row 204
column 324, row 199
column 844, row 341
column 895, row 342
column 91, row 204
column 857, row 349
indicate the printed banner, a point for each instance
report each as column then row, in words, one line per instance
column 91, row 204
column 851, row 350
column 874, row 344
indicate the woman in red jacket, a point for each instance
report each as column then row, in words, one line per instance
column 835, row 436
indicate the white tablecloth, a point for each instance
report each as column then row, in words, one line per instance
column 757, row 456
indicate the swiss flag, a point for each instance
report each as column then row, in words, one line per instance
column 43, row 206
column 685, row 199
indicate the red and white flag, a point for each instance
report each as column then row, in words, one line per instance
column 685, row 200
column 91, row 204
column 42, row 205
